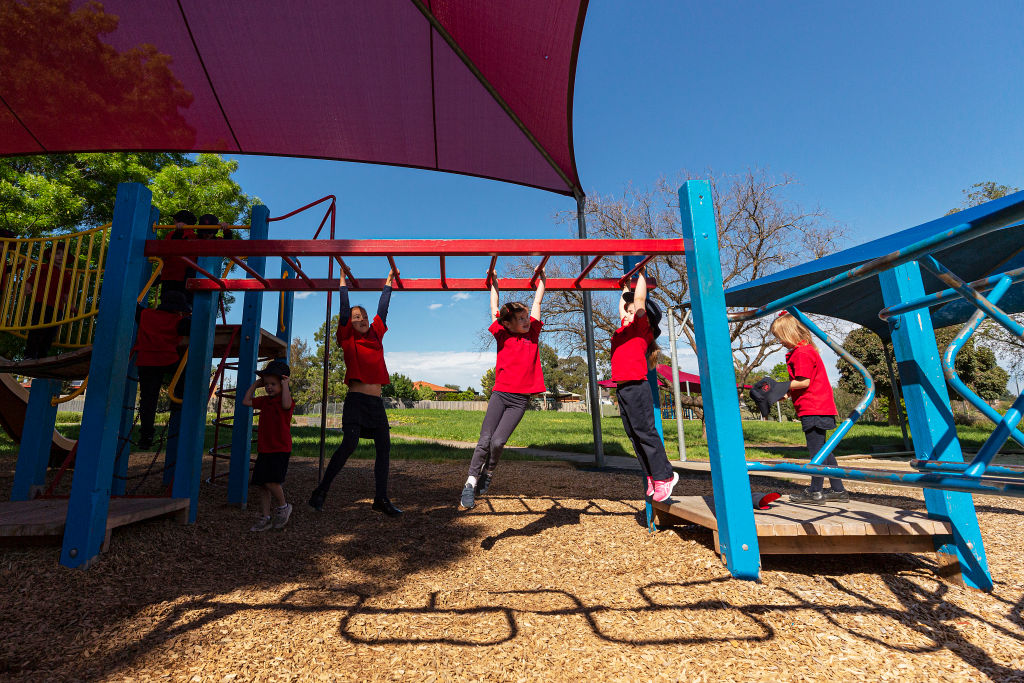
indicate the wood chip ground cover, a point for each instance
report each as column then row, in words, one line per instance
column 551, row 578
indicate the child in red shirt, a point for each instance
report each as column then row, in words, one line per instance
column 631, row 346
column 47, row 300
column 517, row 375
column 157, row 356
column 273, row 442
column 811, row 393
column 363, row 414
column 175, row 272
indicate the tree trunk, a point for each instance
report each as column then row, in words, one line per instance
column 894, row 416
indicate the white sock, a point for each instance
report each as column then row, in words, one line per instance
column 471, row 481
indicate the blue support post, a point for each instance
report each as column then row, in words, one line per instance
column 188, row 466
column 86, row 526
column 36, row 439
column 131, row 391
column 931, row 420
column 171, row 444
column 737, row 535
column 285, row 313
column 248, row 354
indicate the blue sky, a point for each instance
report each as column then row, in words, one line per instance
column 883, row 111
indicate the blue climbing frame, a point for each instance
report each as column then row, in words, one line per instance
column 947, row 481
column 110, row 389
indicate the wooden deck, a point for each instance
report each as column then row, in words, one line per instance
column 43, row 519
column 849, row 528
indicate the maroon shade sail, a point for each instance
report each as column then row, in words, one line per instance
column 467, row 86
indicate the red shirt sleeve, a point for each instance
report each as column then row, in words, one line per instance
column 497, row 329
column 535, row 326
column 259, row 401
column 802, row 363
column 344, row 331
column 378, row 326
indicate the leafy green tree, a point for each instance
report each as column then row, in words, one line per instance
column 304, row 385
column 336, row 387
column 452, row 386
column 487, row 382
column 425, row 393
column 400, row 387
column 202, row 186
column 979, row 193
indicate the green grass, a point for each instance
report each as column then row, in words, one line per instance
column 570, row 432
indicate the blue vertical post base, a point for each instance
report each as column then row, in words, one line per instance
column 649, row 508
column 737, row 534
column 248, row 354
column 85, row 528
column 188, row 464
column 931, row 421
column 36, row 439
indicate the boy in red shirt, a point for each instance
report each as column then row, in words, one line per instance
column 363, row 414
column 273, row 442
column 47, row 300
column 631, row 346
column 517, row 375
column 815, row 406
column 156, row 355
column 175, row 272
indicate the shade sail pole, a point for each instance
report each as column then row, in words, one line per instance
column 461, row 54
column 588, row 326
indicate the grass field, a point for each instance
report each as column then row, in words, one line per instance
column 570, row 432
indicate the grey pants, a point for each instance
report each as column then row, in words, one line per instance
column 504, row 411
column 637, row 408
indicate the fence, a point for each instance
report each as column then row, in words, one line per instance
column 335, row 407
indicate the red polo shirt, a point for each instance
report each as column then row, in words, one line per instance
column 60, row 283
column 364, row 353
column 629, row 350
column 517, row 370
column 816, row 399
column 156, row 343
column 275, row 425
column 174, row 268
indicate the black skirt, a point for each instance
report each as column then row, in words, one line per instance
column 363, row 411
column 825, row 422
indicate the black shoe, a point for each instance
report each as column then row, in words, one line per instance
column 467, row 499
column 808, row 497
column 833, row 496
column 386, row 506
column 483, row 483
column 317, row 499
column 145, row 442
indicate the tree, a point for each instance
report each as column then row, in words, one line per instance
column 979, row 193
column 203, row 186
column 336, row 387
column 303, row 381
column 425, row 393
column 760, row 231
column 487, row 382
column 400, row 387
column 452, row 386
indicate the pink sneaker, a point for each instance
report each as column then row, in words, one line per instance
column 663, row 489
column 650, row 487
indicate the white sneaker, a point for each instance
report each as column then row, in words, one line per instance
column 281, row 515
column 262, row 524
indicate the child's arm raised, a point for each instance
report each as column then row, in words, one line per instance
column 640, row 294
column 385, row 297
column 286, row 393
column 247, row 399
column 494, row 294
column 541, row 283
column 344, row 307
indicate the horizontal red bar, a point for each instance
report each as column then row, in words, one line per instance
column 408, row 285
column 561, row 247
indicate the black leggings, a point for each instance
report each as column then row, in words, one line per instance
column 39, row 341
column 504, row 412
column 815, row 440
column 362, row 417
column 151, row 380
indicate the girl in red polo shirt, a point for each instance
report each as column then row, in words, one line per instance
column 50, row 300
column 517, row 375
column 157, row 356
column 363, row 414
column 174, row 273
column 811, row 393
column 631, row 348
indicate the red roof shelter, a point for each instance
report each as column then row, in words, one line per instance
column 479, row 88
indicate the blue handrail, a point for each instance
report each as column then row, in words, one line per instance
column 947, row 295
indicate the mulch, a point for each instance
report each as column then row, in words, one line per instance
column 552, row 577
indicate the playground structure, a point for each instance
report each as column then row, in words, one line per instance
column 948, row 482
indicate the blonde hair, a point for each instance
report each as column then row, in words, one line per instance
column 791, row 331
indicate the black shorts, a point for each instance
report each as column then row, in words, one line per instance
column 824, row 422
column 270, row 468
column 363, row 411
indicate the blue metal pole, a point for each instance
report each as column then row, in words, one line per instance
column 248, row 354
column 171, row 445
column 737, row 534
column 628, row 263
column 36, row 439
column 86, row 524
column 284, row 317
column 931, row 420
column 188, row 466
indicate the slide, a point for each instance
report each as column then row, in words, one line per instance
column 13, row 406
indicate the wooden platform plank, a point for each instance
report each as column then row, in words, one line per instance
column 45, row 517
